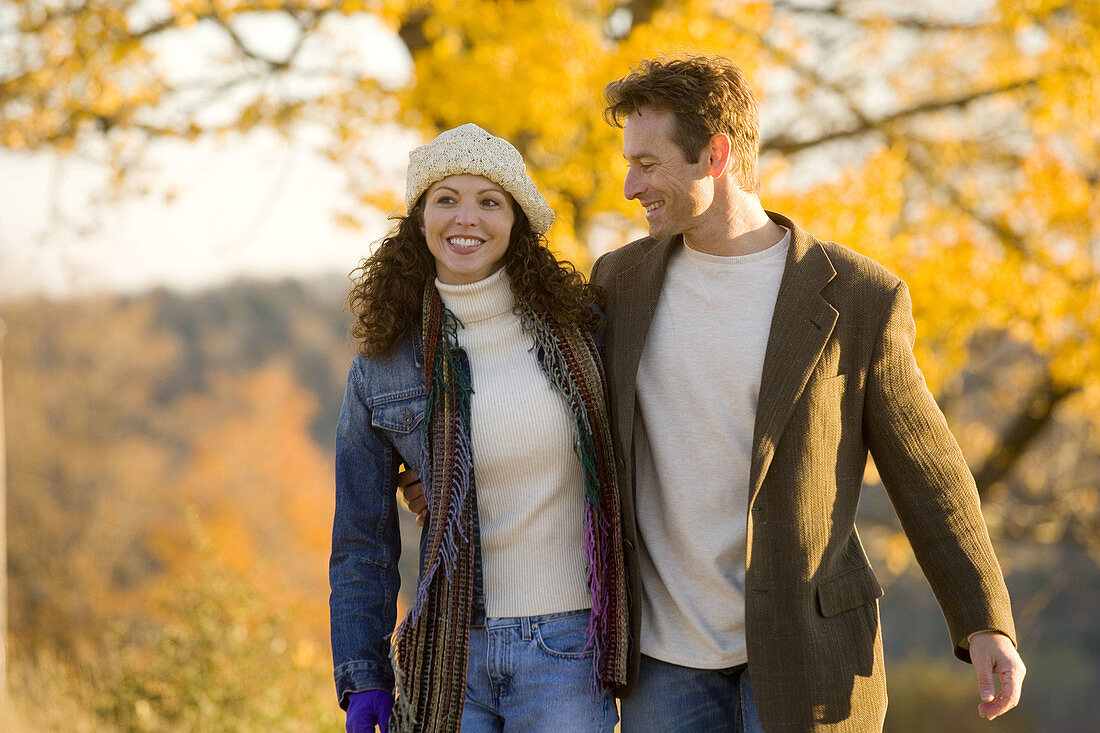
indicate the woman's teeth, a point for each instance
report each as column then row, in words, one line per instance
column 464, row 242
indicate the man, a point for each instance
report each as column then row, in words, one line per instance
column 752, row 368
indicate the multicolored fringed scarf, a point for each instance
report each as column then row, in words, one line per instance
column 432, row 645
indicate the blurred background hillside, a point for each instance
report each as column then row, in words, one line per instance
column 169, row 422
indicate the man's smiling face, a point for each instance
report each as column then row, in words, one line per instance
column 675, row 193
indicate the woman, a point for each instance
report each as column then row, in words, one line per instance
column 477, row 367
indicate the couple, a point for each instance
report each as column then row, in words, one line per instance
column 749, row 370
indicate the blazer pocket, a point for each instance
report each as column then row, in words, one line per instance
column 835, row 383
column 850, row 589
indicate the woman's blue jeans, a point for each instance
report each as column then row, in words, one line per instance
column 668, row 697
column 534, row 674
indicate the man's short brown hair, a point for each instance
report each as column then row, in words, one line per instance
column 707, row 95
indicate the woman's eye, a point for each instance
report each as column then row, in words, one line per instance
column 490, row 203
column 445, row 200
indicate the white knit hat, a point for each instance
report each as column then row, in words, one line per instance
column 471, row 150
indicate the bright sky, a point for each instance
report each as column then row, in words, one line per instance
column 255, row 206
column 260, row 207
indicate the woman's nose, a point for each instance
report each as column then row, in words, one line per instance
column 467, row 215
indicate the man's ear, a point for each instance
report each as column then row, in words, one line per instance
column 718, row 155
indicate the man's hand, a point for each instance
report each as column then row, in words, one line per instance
column 413, row 492
column 993, row 654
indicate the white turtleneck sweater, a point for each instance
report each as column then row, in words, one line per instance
column 530, row 496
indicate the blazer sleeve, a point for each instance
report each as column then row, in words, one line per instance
column 930, row 484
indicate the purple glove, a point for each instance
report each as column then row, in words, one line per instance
column 367, row 709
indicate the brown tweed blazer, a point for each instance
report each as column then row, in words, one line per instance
column 839, row 380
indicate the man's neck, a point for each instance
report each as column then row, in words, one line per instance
column 741, row 227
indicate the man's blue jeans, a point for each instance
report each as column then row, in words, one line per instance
column 669, row 697
column 533, row 673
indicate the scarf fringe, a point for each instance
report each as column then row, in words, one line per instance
column 570, row 361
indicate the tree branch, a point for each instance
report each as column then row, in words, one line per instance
column 842, row 11
column 641, row 11
column 1038, row 412
column 785, row 145
column 411, row 31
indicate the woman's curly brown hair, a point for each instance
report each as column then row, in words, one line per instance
column 388, row 287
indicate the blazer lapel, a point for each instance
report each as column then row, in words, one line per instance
column 801, row 325
column 637, row 290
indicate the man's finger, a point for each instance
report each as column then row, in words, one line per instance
column 416, row 501
column 992, row 708
column 412, row 491
column 985, row 682
column 414, row 497
column 1009, row 697
column 408, row 477
column 1010, row 688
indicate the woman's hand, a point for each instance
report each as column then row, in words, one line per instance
column 367, row 709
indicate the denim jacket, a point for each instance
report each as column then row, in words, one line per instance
column 380, row 427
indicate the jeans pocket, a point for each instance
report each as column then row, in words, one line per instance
column 565, row 637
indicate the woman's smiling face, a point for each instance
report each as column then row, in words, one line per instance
column 467, row 224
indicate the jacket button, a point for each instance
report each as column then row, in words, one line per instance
column 408, row 416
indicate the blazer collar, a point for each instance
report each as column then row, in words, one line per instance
column 801, row 325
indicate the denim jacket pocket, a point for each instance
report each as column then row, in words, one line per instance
column 402, row 415
column 400, row 419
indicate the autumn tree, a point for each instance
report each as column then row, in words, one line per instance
column 226, row 656
column 956, row 146
column 259, row 488
column 84, row 451
column 168, row 548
